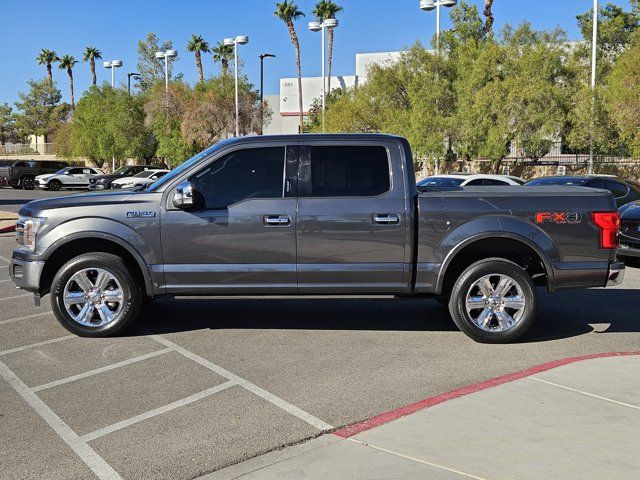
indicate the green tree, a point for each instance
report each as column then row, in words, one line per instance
column 151, row 69
column 288, row 12
column 198, row 45
column 223, row 53
column 39, row 109
column 8, row 131
column 47, row 57
column 91, row 54
column 108, row 122
column 616, row 27
column 327, row 9
column 67, row 62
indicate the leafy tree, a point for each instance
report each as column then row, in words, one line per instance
column 616, row 27
column 467, row 26
column 327, row 9
column 47, row 57
column 67, row 62
column 198, row 45
column 108, row 122
column 288, row 12
column 223, row 53
column 8, row 130
column 91, row 54
column 151, row 69
column 40, row 110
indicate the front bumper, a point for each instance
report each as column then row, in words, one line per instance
column 616, row 274
column 26, row 273
column 96, row 186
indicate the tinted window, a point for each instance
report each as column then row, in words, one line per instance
column 75, row 171
column 440, row 182
column 558, row 181
column 477, row 182
column 241, row 175
column 618, row 189
column 349, row 171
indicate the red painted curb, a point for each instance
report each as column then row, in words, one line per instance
column 351, row 430
column 10, row 228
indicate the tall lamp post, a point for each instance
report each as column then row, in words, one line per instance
column 135, row 75
column 113, row 64
column 262, row 57
column 321, row 27
column 166, row 55
column 235, row 41
column 594, row 47
column 428, row 5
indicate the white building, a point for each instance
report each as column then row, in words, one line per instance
column 285, row 107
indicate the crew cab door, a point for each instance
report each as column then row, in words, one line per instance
column 241, row 237
column 352, row 218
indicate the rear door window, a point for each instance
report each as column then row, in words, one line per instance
column 349, row 171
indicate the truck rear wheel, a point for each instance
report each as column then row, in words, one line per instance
column 95, row 295
column 493, row 301
column 28, row 183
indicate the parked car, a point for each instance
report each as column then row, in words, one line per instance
column 69, row 177
column 102, row 182
column 140, row 179
column 624, row 191
column 629, row 249
column 22, row 173
column 464, row 180
column 314, row 214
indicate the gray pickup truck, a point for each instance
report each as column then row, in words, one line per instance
column 315, row 215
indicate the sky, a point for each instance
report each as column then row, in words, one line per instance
column 115, row 26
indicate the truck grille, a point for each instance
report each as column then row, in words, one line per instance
column 630, row 228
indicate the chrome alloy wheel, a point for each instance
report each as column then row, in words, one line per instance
column 93, row 297
column 495, row 303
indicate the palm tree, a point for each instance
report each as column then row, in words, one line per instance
column 288, row 12
column 327, row 9
column 47, row 57
column 222, row 53
column 91, row 54
column 198, row 45
column 68, row 62
column 488, row 5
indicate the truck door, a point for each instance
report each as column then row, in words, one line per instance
column 352, row 219
column 241, row 240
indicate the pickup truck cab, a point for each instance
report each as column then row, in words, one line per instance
column 315, row 215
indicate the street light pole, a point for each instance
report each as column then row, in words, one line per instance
column 239, row 40
column 428, row 5
column 166, row 55
column 113, row 64
column 135, row 75
column 262, row 57
column 594, row 52
column 321, row 27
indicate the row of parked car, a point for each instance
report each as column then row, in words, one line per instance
column 56, row 175
column 625, row 192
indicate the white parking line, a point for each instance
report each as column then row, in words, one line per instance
column 585, row 393
column 96, row 371
column 16, row 296
column 5, row 259
column 4, row 266
column 94, row 461
column 34, row 345
column 269, row 397
column 26, row 317
column 158, row 411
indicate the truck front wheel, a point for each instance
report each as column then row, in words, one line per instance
column 95, row 295
column 493, row 301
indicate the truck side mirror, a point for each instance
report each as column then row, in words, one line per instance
column 183, row 196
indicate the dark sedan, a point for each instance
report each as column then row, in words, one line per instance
column 624, row 191
column 629, row 250
column 103, row 182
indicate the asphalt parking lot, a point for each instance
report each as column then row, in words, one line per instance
column 12, row 199
column 199, row 385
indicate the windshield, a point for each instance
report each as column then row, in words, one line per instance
column 121, row 170
column 440, row 182
column 558, row 181
column 186, row 165
column 61, row 171
column 143, row 174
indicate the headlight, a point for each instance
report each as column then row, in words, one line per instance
column 26, row 231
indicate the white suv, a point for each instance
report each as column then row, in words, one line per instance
column 69, row 177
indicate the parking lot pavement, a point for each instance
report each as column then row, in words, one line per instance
column 195, row 386
column 12, row 199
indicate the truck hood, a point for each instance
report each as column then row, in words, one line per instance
column 33, row 209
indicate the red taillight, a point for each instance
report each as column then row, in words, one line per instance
column 609, row 224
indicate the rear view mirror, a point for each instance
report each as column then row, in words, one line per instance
column 183, row 196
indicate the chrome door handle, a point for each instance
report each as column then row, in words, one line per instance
column 386, row 218
column 281, row 220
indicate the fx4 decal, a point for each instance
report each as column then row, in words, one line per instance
column 559, row 217
column 141, row 214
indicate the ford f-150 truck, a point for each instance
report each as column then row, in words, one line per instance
column 315, row 215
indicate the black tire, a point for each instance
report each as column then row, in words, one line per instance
column 131, row 290
column 54, row 185
column 28, row 183
column 463, row 286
